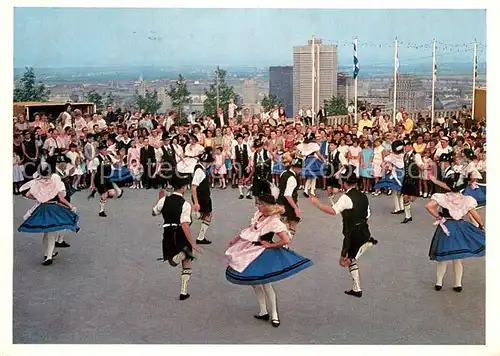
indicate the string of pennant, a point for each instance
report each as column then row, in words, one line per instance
column 441, row 46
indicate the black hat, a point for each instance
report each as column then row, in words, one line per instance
column 397, row 147
column 309, row 137
column 72, row 145
column 468, row 153
column 349, row 175
column 207, row 155
column 239, row 136
column 179, row 180
column 191, row 136
column 270, row 194
column 335, row 142
column 406, row 142
column 297, row 163
column 446, row 157
column 102, row 145
column 258, row 143
column 62, row 159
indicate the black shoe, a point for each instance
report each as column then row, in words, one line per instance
column 102, row 214
column 275, row 323
column 203, row 242
column 264, row 317
column 47, row 262
column 62, row 244
column 406, row 220
column 184, row 296
column 397, row 212
column 438, row 288
column 353, row 293
column 306, row 195
column 241, row 196
column 249, row 197
column 457, row 289
column 120, row 195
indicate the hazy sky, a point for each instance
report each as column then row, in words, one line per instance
column 59, row 37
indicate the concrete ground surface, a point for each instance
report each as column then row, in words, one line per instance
column 109, row 288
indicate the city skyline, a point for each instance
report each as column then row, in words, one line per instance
column 135, row 37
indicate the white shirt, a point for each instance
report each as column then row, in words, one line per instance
column 308, row 113
column 95, row 162
column 440, row 151
column 198, row 177
column 191, row 119
column 291, row 184
column 345, row 203
column 186, row 209
column 417, row 159
column 66, row 119
column 169, row 123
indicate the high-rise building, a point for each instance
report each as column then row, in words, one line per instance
column 325, row 70
column 410, row 93
column 281, row 86
column 345, row 87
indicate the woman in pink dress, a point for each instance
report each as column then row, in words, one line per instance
column 219, row 168
column 254, row 259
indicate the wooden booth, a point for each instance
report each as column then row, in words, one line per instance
column 480, row 104
column 50, row 107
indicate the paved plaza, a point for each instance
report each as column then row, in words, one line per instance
column 108, row 286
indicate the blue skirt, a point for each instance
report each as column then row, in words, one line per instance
column 388, row 182
column 479, row 194
column 121, row 174
column 313, row 168
column 50, row 217
column 278, row 168
column 228, row 164
column 274, row 264
column 465, row 241
column 366, row 172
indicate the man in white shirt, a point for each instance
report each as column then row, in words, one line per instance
column 444, row 147
column 288, row 197
column 192, row 118
column 178, row 243
column 309, row 117
column 355, row 210
column 413, row 165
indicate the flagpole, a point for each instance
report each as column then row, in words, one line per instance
column 356, row 87
column 474, row 72
column 395, row 80
column 433, row 81
column 312, row 76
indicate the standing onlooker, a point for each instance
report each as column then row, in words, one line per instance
column 110, row 115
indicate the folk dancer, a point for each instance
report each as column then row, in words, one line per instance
column 355, row 211
column 475, row 190
column 254, row 259
column 413, row 164
column 242, row 167
column 100, row 167
column 393, row 180
column 313, row 163
column 200, row 190
column 261, row 167
column 65, row 170
column 335, row 164
column 52, row 213
column 454, row 238
column 178, row 243
column 288, row 193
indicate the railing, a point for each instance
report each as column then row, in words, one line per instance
column 349, row 119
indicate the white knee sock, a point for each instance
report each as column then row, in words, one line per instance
column 401, row 202
column 261, row 297
column 459, row 271
column 240, row 188
column 179, row 257
column 49, row 243
column 354, row 271
column 102, row 203
column 307, row 187
column 313, row 186
column 117, row 189
column 60, row 237
column 203, row 230
column 363, row 249
column 185, row 276
column 441, row 271
column 395, row 199
column 249, row 190
column 271, row 297
column 407, row 209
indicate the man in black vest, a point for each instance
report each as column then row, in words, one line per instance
column 355, row 211
column 200, row 189
column 413, row 164
column 241, row 162
column 148, row 161
column 261, row 167
column 168, row 162
column 177, row 244
column 336, row 161
column 289, row 185
column 100, row 167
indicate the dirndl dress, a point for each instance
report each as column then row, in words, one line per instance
column 313, row 167
column 392, row 180
column 278, row 167
column 454, row 237
column 251, row 264
column 49, row 217
column 121, row 174
column 478, row 192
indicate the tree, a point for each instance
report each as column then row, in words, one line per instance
column 270, row 100
column 28, row 90
column 94, row 97
column 180, row 96
column 226, row 93
column 149, row 102
column 335, row 106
